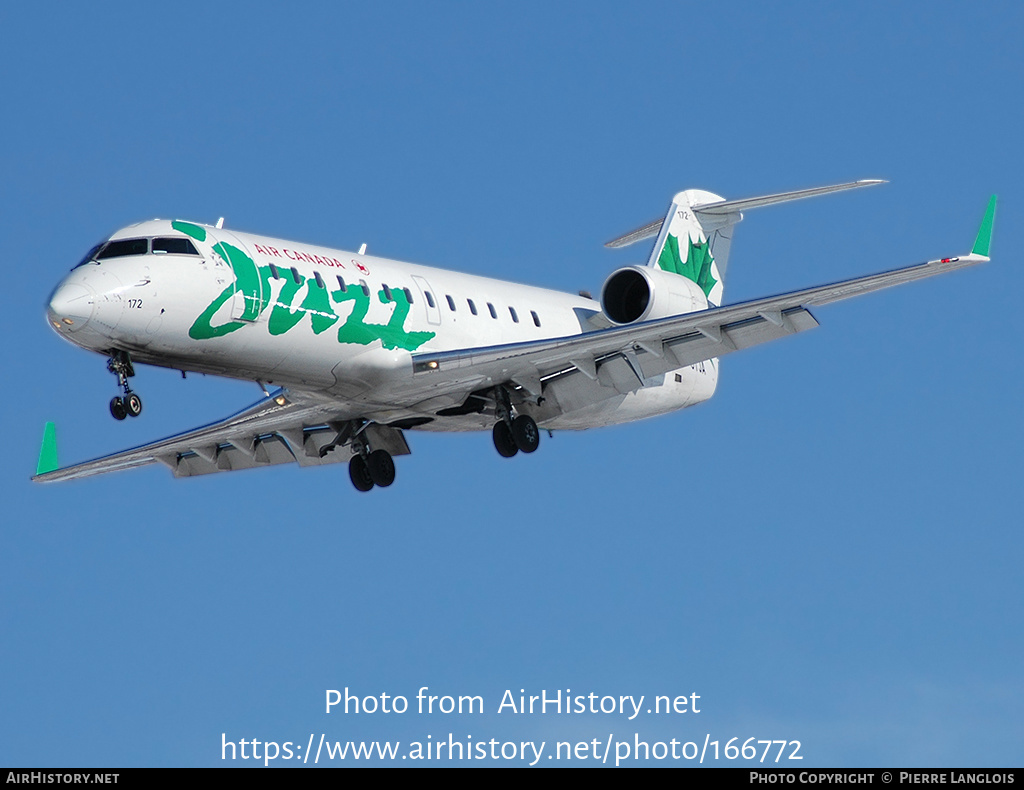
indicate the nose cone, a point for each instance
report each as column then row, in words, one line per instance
column 71, row 306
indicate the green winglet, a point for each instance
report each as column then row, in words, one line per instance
column 48, row 450
column 983, row 243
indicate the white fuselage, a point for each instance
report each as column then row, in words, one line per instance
column 338, row 325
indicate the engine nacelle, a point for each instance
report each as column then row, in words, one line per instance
column 640, row 293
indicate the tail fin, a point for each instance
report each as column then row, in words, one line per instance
column 687, row 248
column 696, row 234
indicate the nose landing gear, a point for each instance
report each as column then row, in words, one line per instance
column 120, row 364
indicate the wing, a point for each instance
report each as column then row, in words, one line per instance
column 622, row 357
column 282, row 428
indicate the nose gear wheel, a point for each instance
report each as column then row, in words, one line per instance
column 117, row 409
column 133, row 405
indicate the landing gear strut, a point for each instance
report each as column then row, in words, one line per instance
column 120, row 364
column 512, row 434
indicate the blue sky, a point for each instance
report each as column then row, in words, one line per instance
column 829, row 551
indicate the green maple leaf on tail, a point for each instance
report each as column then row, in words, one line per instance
column 696, row 267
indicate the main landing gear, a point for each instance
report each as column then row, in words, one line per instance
column 368, row 468
column 120, row 364
column 376, row 468
column 512, row 434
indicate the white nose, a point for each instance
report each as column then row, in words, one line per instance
column 71, row 306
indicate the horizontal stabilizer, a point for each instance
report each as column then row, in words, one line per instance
column 724, row 207
column 646, row 232
column 732, row 206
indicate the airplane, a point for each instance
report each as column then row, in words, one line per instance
column 364, row 349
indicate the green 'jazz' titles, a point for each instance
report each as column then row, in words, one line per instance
column 254, row 284
column 696, row 267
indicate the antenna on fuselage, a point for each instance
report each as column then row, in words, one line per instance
column 220, row 223
column 362, row 248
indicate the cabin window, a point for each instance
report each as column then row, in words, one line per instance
column 430, row 298
column 319, row 279
column 536, row 318
column 451, row 303
column 408, row 294
column 176, row 245
column 365, row 287
column 494, row 313
column 341, row 284
column 515, row 317
column 472, row 307
column 387, row 292
column 118, row 249
column 295, row 276
column 274, row 272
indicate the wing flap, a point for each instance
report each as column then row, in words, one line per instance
column 699, row 347
column 629, row 371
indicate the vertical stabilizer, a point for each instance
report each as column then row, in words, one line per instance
column 693, row 246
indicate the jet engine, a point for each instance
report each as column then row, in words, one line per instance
column 641, row 293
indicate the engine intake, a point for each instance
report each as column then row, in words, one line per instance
column 640, row 293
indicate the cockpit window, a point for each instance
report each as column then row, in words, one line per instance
column 116, row 249
column 177, row 245
column 170, row 245
column 90, row 255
